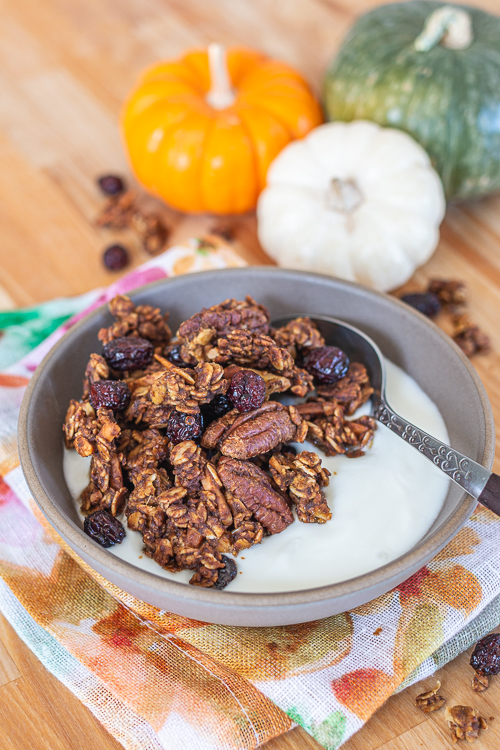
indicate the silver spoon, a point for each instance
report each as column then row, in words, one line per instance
column 482, row 484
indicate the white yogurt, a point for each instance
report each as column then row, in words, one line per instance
column 382, row 504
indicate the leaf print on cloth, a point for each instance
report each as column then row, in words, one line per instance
column 425, row 598
column 455, row 586
column 412, row 587
column 483, row 515
column 363, row 690
column 164, row 675
column 420, row 632
column 464, row 543
column 152, row 675
column 273, row 653
column 12, row 381
column 329, row 733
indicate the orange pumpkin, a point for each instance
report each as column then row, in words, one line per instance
column 201, row 131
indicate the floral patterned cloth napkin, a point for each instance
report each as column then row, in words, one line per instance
column 158, row 681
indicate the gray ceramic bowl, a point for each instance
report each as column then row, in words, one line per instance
column 406, row 337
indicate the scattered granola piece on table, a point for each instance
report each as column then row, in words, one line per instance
column 469, row 336
column 431, row 700
column 480, row 683
column 465, row 723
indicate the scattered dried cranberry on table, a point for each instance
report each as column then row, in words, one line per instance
column 427, row 303
column 485, row 659
column 184, row 437
column 115, row 257
column 111, row 184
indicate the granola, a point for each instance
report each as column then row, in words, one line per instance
column 465, row 723
column 298, row 335
column 142, row 321
column 197, row 496
column 469, row 336
column 430, row 700
column 122, row 211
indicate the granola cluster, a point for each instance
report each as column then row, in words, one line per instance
column 200, row 476
column 450, row 297
column 122, row 211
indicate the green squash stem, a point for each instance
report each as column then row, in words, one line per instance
column 449, row 26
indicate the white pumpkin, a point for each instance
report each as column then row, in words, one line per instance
column 353, row 200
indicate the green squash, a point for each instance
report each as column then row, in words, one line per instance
column 444, row 90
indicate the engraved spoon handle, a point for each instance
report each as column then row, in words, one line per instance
column 471, row 476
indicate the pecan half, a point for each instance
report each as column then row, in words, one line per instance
column 253, row 487
column 254, row 432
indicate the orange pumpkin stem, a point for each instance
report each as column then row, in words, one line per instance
column 221, row 93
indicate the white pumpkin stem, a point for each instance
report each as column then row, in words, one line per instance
column 449, row 26
column 343, row 196
column 221, row 94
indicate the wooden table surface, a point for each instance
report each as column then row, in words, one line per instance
column 65, row 66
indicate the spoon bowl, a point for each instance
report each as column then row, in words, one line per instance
column 357, row 345
column 482, row 484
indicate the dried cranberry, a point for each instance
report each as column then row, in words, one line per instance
column 110, row 394
column 110, row 184
column 226, row 574
column 217, row 407
column 181, row 426
column 485, row 658
column 246, row 390
column 327, row 364
column 115, row 257
column 173, row 354
column 104, row 528
column 428, row 303
column 128, row 353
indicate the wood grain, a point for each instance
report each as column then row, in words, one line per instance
column 65, row 67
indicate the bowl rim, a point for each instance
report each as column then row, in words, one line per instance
column 411, row 560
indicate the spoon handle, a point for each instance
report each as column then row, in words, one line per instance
column 471, row 476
